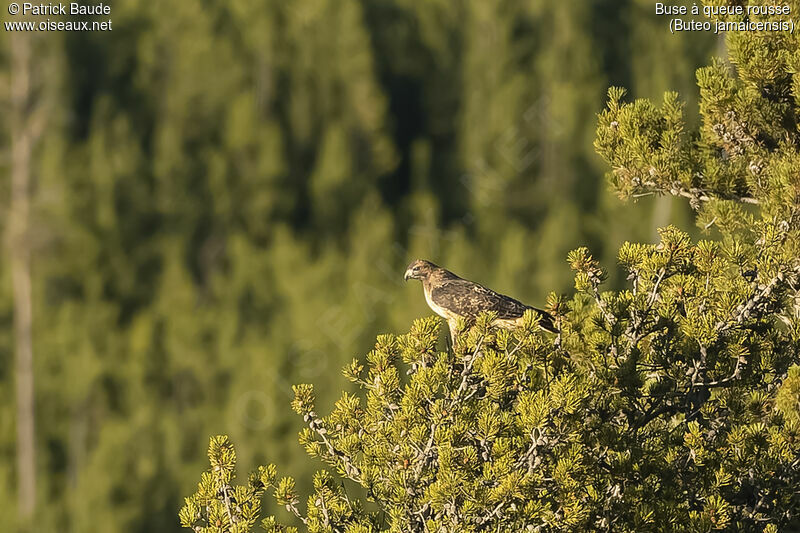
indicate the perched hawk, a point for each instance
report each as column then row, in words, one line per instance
column 452, row 297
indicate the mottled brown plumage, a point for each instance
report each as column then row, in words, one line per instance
column 452, row 297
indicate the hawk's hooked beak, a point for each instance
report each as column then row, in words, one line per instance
column 408, row 275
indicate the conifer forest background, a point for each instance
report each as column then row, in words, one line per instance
column 222, row 198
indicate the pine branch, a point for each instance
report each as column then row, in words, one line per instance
column 695, row 194
column 350, row 469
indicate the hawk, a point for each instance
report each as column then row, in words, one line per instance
column 452, row 297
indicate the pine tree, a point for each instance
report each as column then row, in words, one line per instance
column 669, row 406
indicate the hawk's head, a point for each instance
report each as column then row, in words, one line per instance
column 419, row 269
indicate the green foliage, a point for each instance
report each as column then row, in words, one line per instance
column 671, row 405
column 225, row 198
column 217, row 506
column 666, row 407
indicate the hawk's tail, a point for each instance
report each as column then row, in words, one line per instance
column 546, row 321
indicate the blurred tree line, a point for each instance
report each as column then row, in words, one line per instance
column 226, row 193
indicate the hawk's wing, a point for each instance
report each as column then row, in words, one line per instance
column 467, row 299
